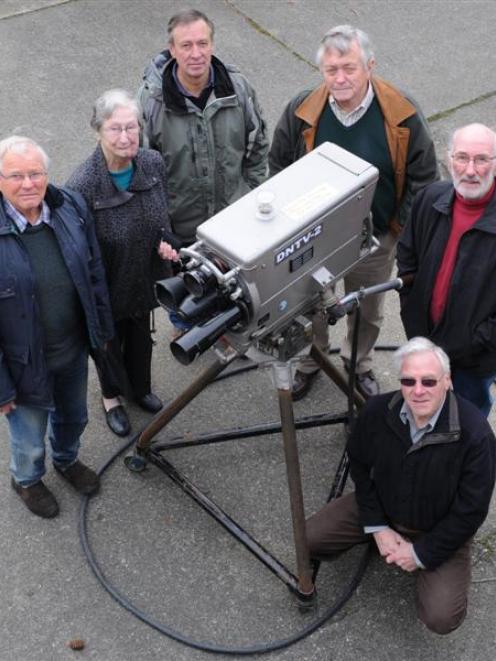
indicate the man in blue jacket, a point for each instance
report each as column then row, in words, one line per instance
column 53, row 306
column 423, row 463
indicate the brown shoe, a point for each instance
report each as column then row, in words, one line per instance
column 38, row 499
column 302, row 383
column 82, row 478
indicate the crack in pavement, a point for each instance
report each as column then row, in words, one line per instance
column 32, row 10
column 442, row 114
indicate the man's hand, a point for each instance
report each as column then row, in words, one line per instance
column 403, row 556
column 387, row 541
column 7, row 408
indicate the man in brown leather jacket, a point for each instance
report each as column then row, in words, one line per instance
column 372, row 119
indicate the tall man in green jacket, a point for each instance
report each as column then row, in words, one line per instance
column 204, row 117
column 369, row 117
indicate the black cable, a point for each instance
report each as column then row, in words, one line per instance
column 257, row 648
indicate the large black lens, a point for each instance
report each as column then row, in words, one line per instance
column 200, row 338
column 195, row 310
column 170, row 292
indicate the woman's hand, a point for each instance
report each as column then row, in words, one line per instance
column 166, row 251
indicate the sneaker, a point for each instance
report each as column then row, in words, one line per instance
column 37, row 498
column 82, row 478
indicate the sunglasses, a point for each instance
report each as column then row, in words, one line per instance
column 409, row 382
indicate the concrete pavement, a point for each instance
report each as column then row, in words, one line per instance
column 156, row 546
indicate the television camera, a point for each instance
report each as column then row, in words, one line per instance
column 257, row 269
column 272, row 256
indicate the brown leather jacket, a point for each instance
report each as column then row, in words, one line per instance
column 410, row 143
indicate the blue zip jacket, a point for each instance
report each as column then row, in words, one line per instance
column 23, row 372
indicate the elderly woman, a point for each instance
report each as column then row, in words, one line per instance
column 125, row 188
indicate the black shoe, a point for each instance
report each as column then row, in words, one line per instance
column 150, row 403
column 118, row 421
column 38, row 499
column 82, row 478
column 301, row 384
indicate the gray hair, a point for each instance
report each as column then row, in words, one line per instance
column 420, row 345
column 108, row 102
column 341, row 38
column 471, row 126
column 21, row 145
column 185, row 17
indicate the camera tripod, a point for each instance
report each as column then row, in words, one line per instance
column 301, row 584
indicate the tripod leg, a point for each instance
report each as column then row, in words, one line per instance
column 176, row 406
column 282, row 373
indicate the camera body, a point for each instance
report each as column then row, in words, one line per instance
column 267, row 258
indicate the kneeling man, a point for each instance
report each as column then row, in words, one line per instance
column 423, row 463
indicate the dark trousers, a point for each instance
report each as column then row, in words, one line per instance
column 441, row 597
column 129, row 359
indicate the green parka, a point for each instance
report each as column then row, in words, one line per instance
column 213, row 156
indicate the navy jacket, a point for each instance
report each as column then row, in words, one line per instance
column 23, row 372
column 441, row 485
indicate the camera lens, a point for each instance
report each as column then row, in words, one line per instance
column 199, row 283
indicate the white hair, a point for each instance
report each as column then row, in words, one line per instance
column 108, row 102
column 420, row 345
column 18, row 144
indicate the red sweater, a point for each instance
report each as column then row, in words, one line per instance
column 465, row 214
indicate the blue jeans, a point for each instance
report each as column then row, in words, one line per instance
column 66, row 423
column 477, row 389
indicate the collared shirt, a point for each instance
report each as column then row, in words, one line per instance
column 352, row 117
column 183, row 90
column 21, row 221
column 417, row 433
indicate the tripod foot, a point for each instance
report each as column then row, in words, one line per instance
column 305, row 602
column 135, row 463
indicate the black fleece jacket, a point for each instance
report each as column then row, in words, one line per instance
column 441, row 485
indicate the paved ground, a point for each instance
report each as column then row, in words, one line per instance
column 152, row 543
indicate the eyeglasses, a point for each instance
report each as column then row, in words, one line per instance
column 132, row 129
column 18, row 178
column 427, row 382
column 479, row 161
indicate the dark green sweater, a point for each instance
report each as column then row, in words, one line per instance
column 61, row 314
column 367, row 139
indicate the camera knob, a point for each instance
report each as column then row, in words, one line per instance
column 265, row 205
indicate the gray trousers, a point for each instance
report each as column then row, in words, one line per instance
column 372, row 270
column 441, row 594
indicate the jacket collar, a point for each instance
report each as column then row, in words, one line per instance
column 394, row 106
column 447, row 429
column 173, row 98
column 444, row 204
column 106, row 194
column 53, row 197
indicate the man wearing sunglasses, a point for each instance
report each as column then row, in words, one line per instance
column 423, row 463
column 449, row 247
